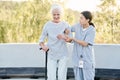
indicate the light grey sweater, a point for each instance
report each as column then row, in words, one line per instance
column 57, row 48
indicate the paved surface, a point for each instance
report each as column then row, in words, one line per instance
column 44, row 79
column 26, row 79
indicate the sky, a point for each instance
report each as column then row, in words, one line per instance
column 81, row 5
column 75, row 4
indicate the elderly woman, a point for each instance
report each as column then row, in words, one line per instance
column 57, row 54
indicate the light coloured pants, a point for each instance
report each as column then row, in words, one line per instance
column 52, row 68
column 78, row 72
column 84, row 74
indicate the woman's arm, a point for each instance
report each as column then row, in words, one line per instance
column 64, row 36
column 42, row 38
column 83, row 43
column 89, row 39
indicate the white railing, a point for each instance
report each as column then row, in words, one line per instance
column 107, row 56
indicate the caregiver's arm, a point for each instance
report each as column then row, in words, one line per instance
column 83, row 43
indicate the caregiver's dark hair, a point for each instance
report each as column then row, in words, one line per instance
column 88, row 15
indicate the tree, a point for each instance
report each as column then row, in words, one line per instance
column 105, row 19
column 23, row 22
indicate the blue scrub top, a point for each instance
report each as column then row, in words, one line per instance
column 87, row 52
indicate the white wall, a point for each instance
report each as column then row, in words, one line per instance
column 29, row 55
column 107, row 56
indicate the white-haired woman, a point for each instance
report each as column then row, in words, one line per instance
column 57, row 54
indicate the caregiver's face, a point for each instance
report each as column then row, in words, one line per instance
column 83, row 20
column 56, row 15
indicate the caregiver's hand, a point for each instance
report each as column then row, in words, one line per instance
column 61, row 36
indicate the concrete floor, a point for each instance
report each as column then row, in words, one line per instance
column 44, row 79
column 26, row 79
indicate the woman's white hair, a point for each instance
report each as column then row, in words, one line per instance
column 56, row 6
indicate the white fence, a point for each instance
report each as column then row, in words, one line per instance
column 107, row 56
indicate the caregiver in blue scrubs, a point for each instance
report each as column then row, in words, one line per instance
column 83, row 55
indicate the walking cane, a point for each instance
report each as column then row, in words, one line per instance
column 45, row 63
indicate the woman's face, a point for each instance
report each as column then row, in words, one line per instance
column 56, row 15
column 83, row 20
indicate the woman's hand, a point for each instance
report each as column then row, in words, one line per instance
column 45, row 48
column 61, row 36
column 68, row 39
column 66, row 31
